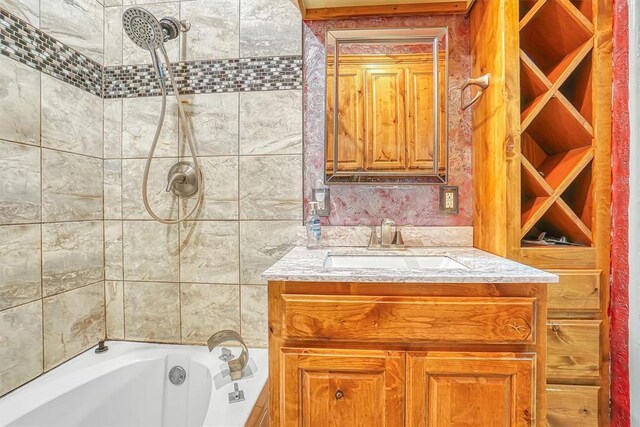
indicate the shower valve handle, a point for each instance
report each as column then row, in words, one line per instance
column 178, row 177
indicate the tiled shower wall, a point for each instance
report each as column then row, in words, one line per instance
column 51, row 200
column 182, row 283
column 71, row 164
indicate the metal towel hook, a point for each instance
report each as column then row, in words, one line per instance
column 236, row 366
column 482, row 82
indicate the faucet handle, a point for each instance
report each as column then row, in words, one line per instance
column 397, row 239
column 373, row 240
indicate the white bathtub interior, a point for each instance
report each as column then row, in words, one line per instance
column 129, row 386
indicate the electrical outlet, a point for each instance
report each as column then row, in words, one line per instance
column 323, row 197
column 449, row 200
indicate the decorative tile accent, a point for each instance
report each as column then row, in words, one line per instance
column 208, row 76
column 28, row 45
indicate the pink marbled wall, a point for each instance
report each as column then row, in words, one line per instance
column 407, row 204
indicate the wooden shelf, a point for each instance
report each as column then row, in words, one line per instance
column 578, row 195
column 533, row 85
column 560, row 220
column 555, row 129
column 556, row 45
column 553, row 36
column 577, row 88
column 585, row 7
column 336, row 9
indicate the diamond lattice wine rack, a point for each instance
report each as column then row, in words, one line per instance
column 557, row 140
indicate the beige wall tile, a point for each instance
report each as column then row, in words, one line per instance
column 19, row 264
column 280, row 131
column 72, row 187
column 254, row 315
column 114, row 310
column 269, row 27
column 221, row 189
column 271, row 187
column 112, row 189
column 152, row 311
column 20, row 345
column 207, row 309
column 113, row 258
column 215, row 29
column 72, row 255
column 19, row 99
column 72, row 119
column 27, row 10
column 214, row 123
column 19, row 183
column 209, row 252
column 113, row 35
column 112, row 128
column 163, row 203
column 73, row 322
column 77, row 23
column 139, row 122
column 150, row 251
column 262, row 243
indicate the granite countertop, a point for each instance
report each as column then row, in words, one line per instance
column 307, row 265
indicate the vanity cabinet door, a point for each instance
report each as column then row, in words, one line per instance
column 342, row 387
column 470, row 389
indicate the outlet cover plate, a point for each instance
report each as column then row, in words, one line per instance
column 449, row 200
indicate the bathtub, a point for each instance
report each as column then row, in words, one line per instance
column 129, row 386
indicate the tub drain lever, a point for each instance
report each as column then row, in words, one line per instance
column 236, row 395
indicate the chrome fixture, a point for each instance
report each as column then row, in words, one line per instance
column 236, row 366
column 390, row 237
column 177, row 375
column 184, row 179
column 236, row 395
column 482, row 82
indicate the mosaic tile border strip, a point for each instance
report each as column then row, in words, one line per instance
column 208, row 76
column 28, row 45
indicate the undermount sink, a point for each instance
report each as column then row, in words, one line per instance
column 394, row 262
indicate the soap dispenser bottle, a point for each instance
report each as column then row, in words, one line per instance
column 314, row 227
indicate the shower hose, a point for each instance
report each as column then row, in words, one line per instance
column 189, row 137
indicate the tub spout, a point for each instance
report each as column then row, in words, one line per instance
column 236, row 366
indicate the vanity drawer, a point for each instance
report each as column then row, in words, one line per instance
column 573, row 349
column 578, row 290
column 572, row 405
column 408, row 319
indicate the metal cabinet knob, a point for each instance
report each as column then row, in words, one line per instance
column 339, row 394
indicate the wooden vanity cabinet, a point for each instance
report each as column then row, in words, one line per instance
column 542, row 142
column 401, row 354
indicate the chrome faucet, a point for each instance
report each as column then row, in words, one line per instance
column 390, row 237
column 236, row 366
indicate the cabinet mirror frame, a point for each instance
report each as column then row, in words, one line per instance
column 437, row 39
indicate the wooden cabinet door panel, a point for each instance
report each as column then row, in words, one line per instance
column 350, row 147
column 573, row 349
column 572, row 406
column 342, row 388
column 470, row 389
column 409, row 319
column 385, row 98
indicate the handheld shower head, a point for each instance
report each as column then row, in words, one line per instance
column 142, row 28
